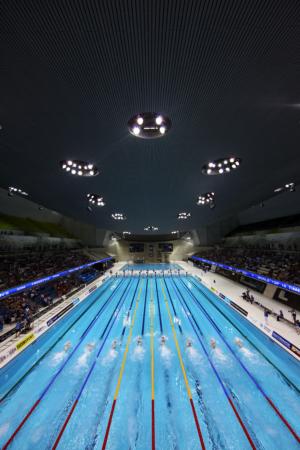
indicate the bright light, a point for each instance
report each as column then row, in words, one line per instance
column 227, row 169
column 64, row 166
column 208, row 171
column 79, row 172
column 140, row 121
column 74, row 164
column 221, row 170
column 159, row 120
column 237, row 163
column 233, row 166
column 162, row 130
column 70, row 163
column 91, row 172
column 232, row 160
column 90, row 166
column 136, row 130
column 68, row 169
column 73, row 172
column 225, row 161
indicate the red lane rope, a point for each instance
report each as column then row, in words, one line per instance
column 153, row 424
column 20, row 425
column 242, row 424
column 197, row 424
column 64, row 425
column 109, row 424
column 296, row 436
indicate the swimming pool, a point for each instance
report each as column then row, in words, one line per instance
column 152, row 266
column 119, row 385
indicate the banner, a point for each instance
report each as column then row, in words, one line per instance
column 58, row 315
column 239, row 308
column 286, row 343
column 256, row 276
column 31, row 284
column 30, row 337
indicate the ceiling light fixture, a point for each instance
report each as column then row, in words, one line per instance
column 207, row 199
column 80, row 168
column 149, row 125
column 216, row 167
column 118, row 216
column 151, row 228
column 183, row 215
column 175, row 232
column 13, row 190
column 288, row 187
column 96, row 199
column 126, row 233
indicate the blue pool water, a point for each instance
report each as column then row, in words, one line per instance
column 152, row 266
column 122, row 386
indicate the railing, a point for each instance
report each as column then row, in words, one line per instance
column 255, row 276
column 30, row 284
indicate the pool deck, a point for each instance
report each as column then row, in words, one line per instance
column 233, row 291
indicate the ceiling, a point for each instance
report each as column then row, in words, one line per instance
column 73, row 73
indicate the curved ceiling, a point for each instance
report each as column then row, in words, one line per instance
column 73, row 73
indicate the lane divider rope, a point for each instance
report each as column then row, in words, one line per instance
column 121, row 372
column 183, row 370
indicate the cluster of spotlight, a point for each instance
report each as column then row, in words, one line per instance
column 95, row 199
column 149, row 125
column 80, row 168
column 13, row 190
column 151, row 228
column 220, row 166
column 175, row 232
column 207, row 199
column 126, row 233
column 183, row 215
column 118, row 216
column 288, row 187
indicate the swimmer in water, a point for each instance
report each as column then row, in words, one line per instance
column 67, row 346
column 139, row 340
column 188, row 343
column 238, row 342
column 213, row 343
column 90, row 347
column 114, row 344
column 163, row 340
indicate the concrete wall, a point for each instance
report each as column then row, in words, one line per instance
column 22, row 207
column 281, row 205
column 181, row 250
column 213, row 233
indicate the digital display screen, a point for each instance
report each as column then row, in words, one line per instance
column 165, row 247
column 136, row 248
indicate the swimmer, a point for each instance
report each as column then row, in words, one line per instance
column 114, row 344
column 67, row 346
column 213, row 343
column 90, row 347
column 163, row 340
column 139, row 340
column 188, row 343
column 238, row 342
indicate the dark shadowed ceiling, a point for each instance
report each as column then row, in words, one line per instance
column 74, row 72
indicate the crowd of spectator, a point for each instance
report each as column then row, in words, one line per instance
column 20, row 309
column 17, row 269
column 280, row 265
